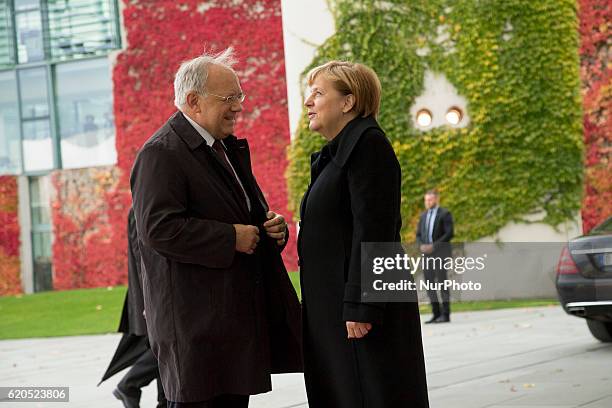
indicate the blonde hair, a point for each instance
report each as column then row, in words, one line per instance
column 352, row 78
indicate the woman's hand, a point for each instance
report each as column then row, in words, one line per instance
column 357, row 330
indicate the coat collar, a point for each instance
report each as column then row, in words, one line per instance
column 342, row 145
column 193, row 139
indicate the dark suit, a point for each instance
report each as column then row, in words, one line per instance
column 441, row 236
column 354, row 197
column 219, row 321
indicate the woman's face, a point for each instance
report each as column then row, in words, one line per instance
column 326, row 108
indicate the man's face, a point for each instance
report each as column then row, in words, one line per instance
column 431, row 200
column 213, row 114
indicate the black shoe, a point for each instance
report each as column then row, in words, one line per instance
column 432, row 320
column 443, row 319
column 128, row 402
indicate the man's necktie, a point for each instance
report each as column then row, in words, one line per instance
column 427, row 220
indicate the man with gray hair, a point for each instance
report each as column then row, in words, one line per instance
column 221, row 312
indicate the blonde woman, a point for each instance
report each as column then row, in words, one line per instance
column 356, row 355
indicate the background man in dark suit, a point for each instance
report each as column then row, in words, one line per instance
column 133, row 348
column 221, row 312
column 434, row 232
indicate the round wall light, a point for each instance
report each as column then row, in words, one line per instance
column 454, row 116
column 423, row 118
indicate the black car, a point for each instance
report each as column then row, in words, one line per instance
column 584, row 279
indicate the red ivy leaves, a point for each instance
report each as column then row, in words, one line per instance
column 90, row 246
column 10, row 279
column 596, row 71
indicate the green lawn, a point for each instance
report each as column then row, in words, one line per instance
column 96, row 311
column 61, row 313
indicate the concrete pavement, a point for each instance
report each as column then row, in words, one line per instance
column 514, row 358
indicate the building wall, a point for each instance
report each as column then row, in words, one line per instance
column 10, row 277
column 596, row 74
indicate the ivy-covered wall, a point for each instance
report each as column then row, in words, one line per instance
column 90, row 244
column 515, row 61
column 596, row 72
column 10, row 278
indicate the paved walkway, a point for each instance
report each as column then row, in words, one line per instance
column 515, row 358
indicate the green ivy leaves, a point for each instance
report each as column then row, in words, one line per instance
column 515, row 61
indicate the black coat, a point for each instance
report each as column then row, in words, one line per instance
column 132, row 319
column 219, row 321
column 354, row 197
column 132, row 324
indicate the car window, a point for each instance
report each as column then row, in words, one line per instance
column 605, row 226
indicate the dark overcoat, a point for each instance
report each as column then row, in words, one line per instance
column 219, row 321
column 132, row 323
column 132, row 320
column 354, row 197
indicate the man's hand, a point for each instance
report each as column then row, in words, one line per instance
column 427, row 248
column 276, row 227
column 247, row 237
column 357, row 330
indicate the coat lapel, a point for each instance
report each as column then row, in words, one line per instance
column 240, row 156
column 349, row 136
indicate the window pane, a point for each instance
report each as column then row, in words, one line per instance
column 37, row 145
column 81, row 28
column 10, row 147
column 85, row 111
column 21, row 5
column 40, row 203
column 6, row 36
column 29, row 31
column 34, row 96
column 40, row 199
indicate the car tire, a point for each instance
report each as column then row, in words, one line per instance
column 602, row 331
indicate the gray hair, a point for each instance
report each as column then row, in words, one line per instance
column 192, row 75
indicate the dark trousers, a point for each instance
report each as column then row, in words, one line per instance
column 438, row 275
column 140, row 375
column 222, row 401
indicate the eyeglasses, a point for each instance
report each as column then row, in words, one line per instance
column 230, row 99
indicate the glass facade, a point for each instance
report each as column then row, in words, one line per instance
column 35, row 120
column 56, row 111
column 10, row 138
column 29, row 31
column 6, row 36
column 56, row 108
column 81, row 28
column 85, row 114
